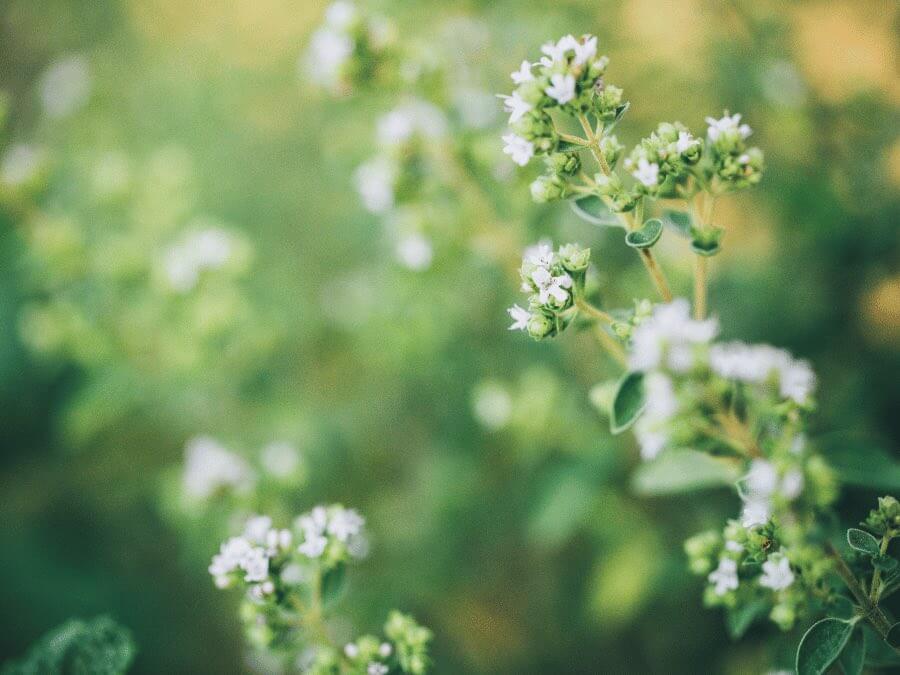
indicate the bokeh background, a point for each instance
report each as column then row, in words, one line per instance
column 499, row 505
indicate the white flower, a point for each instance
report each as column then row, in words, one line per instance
column 733, row 546
column 777, row 573
column 520, row 149
column 257, row 529
column 341, row 14
column 280, row 459
column 725, row 125
column 646, row 173
column 385, row 650
column 207, row 249
column 414, row 252
column 556, row 51
column 661, row 405
column 231, row 555
column 515, row 106
column 685, row 142
column 376, row 668
column 523, row 74
column 256, row 565
column 792, row 484
column 520, row 318
column 539, row 254
column 278, row 540
column 550, row 286
column 20, row 164
column 756, row 363
column 755, row 512
column 351, row 650
column 762, row 479
column 724, row 576
column 375, row 183
column 584, row 51
column 408, row 119
column 209, row 467
column 329, row 50
column 313, row 545
column 666, row 334
column 562, row 88
column 345, row 523
column 65, row 86
column 314, row 522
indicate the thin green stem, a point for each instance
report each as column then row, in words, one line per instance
column 699, row 286
column 877, row 586
column 871, row 611
column 595, row 312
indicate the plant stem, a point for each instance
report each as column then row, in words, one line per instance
column 872, row 612
column 699, row 286
column 656, row 273
column 613, row 348
column 595, row 312
column 877, row 586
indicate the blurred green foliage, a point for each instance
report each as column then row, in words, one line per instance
column 513, row 536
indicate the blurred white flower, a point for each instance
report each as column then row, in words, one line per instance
column 345, row 523
column 492, row 404
column 519, row 149
column 646, row 173
column 209, row 467
column 777, row 573
column 414, row 252
column 374, row 182
column 724, row 576
column 725, row 125
column 280, row 459
column 670, row 327
column 65, row 86
column 20, row 164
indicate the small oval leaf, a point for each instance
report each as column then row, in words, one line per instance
column 853, row 657
column 648, row 234
column 862, row 541
column 821, row 645
column 593, row 210
column 628, row 402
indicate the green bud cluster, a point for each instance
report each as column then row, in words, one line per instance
column 664, row 159
column 885, row 520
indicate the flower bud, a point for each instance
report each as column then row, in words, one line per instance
column 563, row 162
column 540, row 326
column 574, row 258
column 607, row 101
column 548, row 189
column 783, row 615
column 611, row 149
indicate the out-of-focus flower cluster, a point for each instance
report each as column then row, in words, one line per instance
column 290, row 578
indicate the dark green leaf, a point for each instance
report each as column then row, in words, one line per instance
column 680, row 221
column 593, row 210
column 885, row 563
column 893, row 636
column 862, row 541
column 648, row 234
column 682, row 470
column 822, row 645
column 333, row 583
column 878, row 653
column 566, row 146
column 628, row 402
column 860, row 462
column 705, row 249
column 853, row 657
column 740, row 618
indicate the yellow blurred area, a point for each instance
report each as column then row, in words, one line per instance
column 848, row 47
column 243, row 33
column 622, row 580
column 881, row 312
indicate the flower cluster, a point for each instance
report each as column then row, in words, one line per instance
column 210, row 469
column 733, row 164
column 552, row 279
column 663, row 160
column 206, row 249
column 291, row 576
column 348, row 48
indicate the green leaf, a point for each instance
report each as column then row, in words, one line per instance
column 682, row 470
column 885, row 563
column 893, row 636
column 878, row 653
column 333, row 583
column 648, row 234
column 680, row 221
column 628, row 402
column 593, row 210
column 821, row 645
column 707, row 250
column 620, row 113
column 566, row 146
column 863, row 542
column 740, row 618
column 853, row 657
column 860, row 462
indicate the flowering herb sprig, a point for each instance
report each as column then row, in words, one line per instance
column 290, row 577
column 703, row 412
